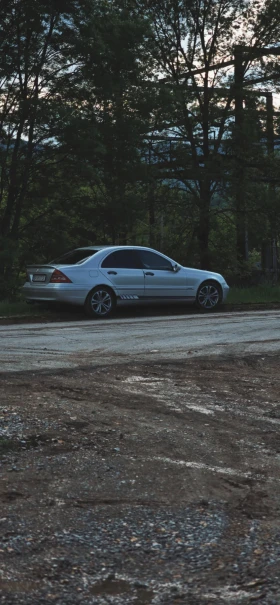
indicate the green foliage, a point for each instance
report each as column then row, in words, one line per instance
column 85, row 131
column 9, row 254
column 21, row 309
column 257, row 294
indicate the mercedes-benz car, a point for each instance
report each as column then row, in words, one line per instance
column 102, row 277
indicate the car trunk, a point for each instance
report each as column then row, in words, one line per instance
column 39, row 274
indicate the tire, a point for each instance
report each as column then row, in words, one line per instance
column 100, row 302
column 209, row 296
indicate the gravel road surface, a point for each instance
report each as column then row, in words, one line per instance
column 64, row 344
column 140, row 461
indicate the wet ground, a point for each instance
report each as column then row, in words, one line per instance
column 141, row 483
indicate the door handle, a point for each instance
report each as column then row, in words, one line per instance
column 149, row 273
column 112, row 272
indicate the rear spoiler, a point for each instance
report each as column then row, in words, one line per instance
column 40, row 267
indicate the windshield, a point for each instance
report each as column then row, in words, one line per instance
column 74, row 257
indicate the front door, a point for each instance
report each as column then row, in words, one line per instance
column 122, row 269
column 161, row 281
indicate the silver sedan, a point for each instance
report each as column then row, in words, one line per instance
column 101, row 277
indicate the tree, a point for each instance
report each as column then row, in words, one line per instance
column 72, row 118
column 35, row 54
column 112, row 46
column 192, row 36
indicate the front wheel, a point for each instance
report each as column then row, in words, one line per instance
column 209, row 296
column 100, row 302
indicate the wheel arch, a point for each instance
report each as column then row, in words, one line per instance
column 102, row 285
column 210, row 280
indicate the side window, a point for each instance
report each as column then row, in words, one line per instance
column 151, row 260
column 122, row 259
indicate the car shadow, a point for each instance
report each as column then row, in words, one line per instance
column 72, row 313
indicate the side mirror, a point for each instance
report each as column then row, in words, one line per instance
column 176, row 268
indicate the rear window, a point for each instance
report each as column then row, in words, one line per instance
column 73, row 258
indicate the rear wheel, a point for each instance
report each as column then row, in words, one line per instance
column 100, row 302
column 209, row 296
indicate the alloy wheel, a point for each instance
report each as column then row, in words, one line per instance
column 208, row 296
column 101, row 302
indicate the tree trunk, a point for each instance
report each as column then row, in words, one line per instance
column 204, row 225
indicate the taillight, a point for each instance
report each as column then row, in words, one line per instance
column 59, row 278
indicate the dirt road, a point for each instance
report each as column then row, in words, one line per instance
column 64, row 344
column 140, row 462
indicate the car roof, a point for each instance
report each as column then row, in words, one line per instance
column 93, row 247
column 117, row 247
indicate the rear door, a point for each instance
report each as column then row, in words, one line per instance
column 161, row 281
column 123, row 269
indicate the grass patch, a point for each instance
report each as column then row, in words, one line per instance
column 10, row 309
column 256, row 294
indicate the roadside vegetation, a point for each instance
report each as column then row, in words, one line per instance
column 116, row 129
column 20, row 308
column 254, row 295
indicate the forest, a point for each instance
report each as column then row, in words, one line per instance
column 141, row 122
